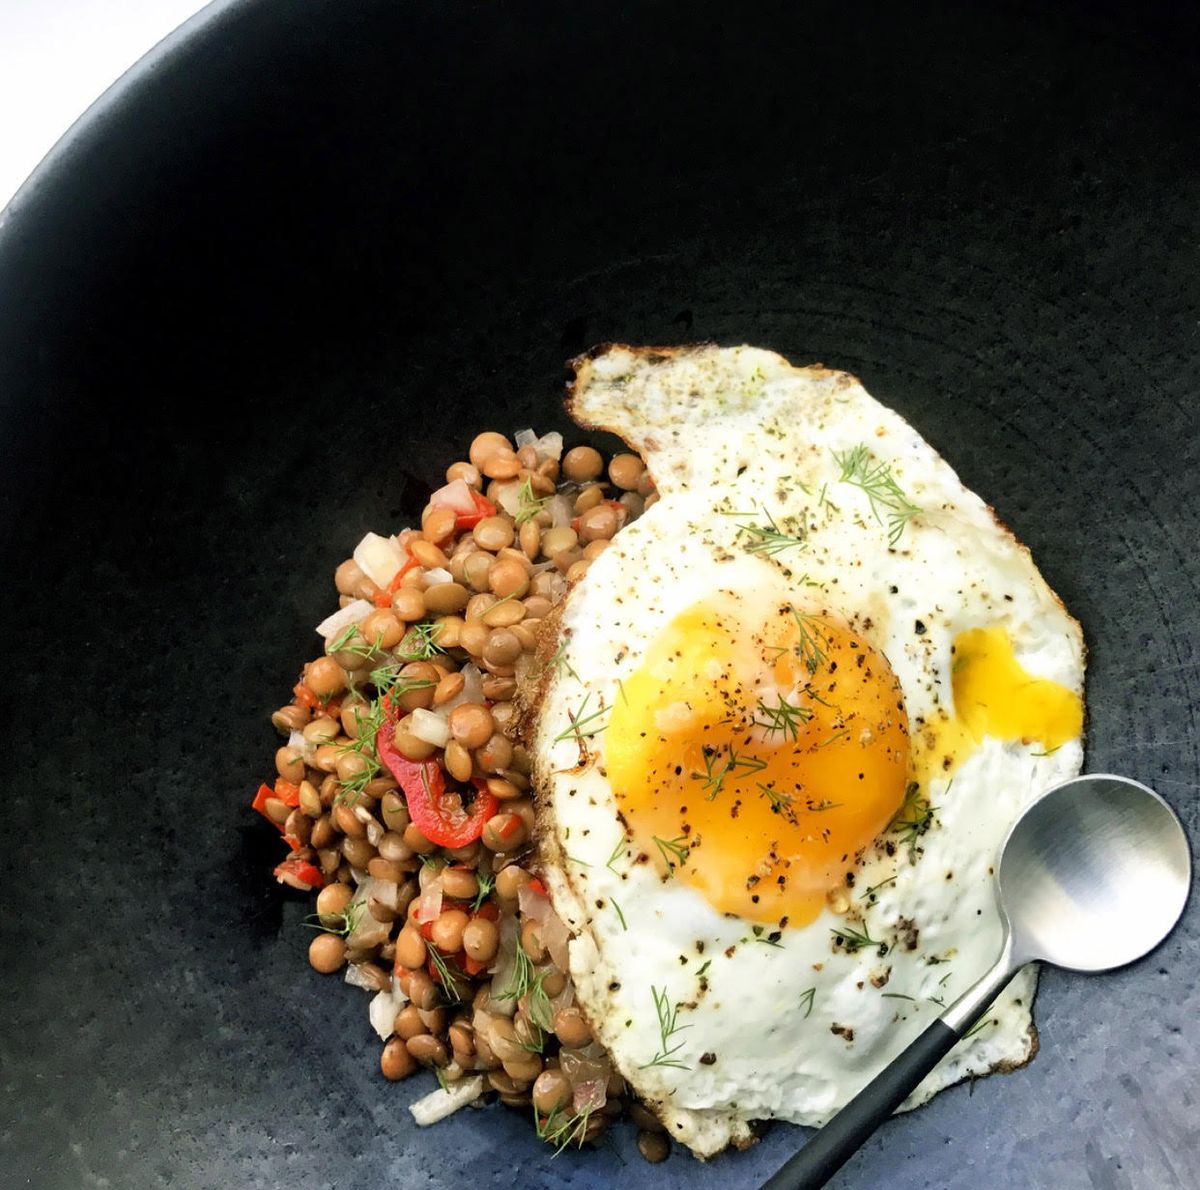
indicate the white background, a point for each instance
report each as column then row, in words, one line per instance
column 56, row 56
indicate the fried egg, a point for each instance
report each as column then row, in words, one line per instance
column 793, row 711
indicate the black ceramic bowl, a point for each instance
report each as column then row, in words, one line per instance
column 272, row 284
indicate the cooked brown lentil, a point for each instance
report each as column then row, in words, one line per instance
column 343, row 810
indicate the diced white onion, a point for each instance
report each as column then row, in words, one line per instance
column 431, row 728
column 589, row 1096
column 439, row 574
column 352, row 613
column 439, row 1104
column 554, row 933
column 367, row 932
column 306, row 747
column 508, row 496
column 428, row 905
column 456, row 495
column 590, row 1064
column 387, row 892
column 564, row 999
column 379, row 558
column 356, row 979
column 562, row 511
column 549, row 446
column 504, row 968
column 382, row 1011
column 472, row 690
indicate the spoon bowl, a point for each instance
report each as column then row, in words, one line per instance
column 1093, row 875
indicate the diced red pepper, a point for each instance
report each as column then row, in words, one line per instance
column 383, row 597
column 468, row 520
column 471, row 966
column 302, row 870
column 305, row 697
column 451, row 963
column 438, row 813
column 489, row 910
column 260, row 803
column 537, row 886
column 287, row 793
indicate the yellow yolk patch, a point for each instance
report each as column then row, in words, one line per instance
column 753, row 761
column 995, row 695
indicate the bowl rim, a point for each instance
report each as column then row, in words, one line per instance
column 112, row 103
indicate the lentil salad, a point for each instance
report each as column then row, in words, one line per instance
column 403, row 790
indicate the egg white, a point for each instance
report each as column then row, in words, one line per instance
column 792, row 1030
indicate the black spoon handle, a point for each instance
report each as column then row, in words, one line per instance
column 830, row 1148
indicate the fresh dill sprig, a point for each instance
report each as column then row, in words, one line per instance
column 913, row 818
column 582, row 723
column 975, row 1028
column 389, row 685
column 617, row 851
column 420, row 642
column 453, row 981
column 785, row 717
column 714, row 775
column 844, row 733
column 771, row 939
column 528, row 981
column 875, row 478
column 366, row 726
column 528, row 505
column 853, row 940
column 811, row 649
column 806, row 1001
column 768, row 538
column 486, row 883
column 624, row 923
column 781, row 803
column 341, row 642
column 537, row 1039
column 388, row 680
column 668, row 1026
column 342, row 924
column 561, row 1129
column 558, row 663
column 673, row 851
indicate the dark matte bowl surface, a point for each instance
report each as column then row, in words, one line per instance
column 272, row 285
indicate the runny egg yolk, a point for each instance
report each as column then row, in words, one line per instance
column 994, row 695
column 754, row 760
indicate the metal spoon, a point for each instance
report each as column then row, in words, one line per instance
column 1093, row 875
